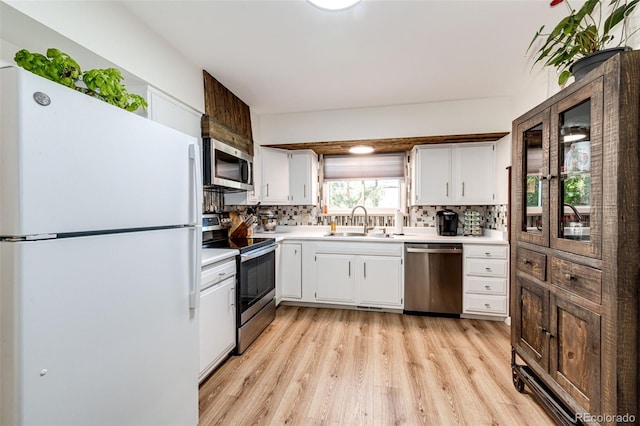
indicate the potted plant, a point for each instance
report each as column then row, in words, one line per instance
column 584, row 32
column 104, row 84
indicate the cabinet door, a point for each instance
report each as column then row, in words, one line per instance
column 575, row 352
column 335, row 278
column 432, row 177
column 172, row 113
column 530, row 185
column 530, row 322
column 217, row 320
column 379, row 281
column 303, row 178
column 576, row 167
column 275, row 176
column 475, row 170
column 291, row 273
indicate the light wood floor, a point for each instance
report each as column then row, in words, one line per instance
column 342, row 367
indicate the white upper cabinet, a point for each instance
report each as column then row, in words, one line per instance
column 462, row 174
column 475, row 169
column 431, row 176
column 303, row 177
column 166, row 110
column 275, row 176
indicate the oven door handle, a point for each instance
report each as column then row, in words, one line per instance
column 260, row 252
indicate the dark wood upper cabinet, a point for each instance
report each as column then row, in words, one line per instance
column 227, row 118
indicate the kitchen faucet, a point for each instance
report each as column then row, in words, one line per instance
column 366, row 219
column 575, row 211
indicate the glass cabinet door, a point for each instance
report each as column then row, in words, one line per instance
column 532, row 193
column 576, row 157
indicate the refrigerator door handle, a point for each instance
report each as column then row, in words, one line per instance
column 195, row 280
column 194, row 157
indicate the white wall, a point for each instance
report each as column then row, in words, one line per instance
column 97, row 26
column 428, row 119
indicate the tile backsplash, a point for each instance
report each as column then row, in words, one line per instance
column 492, row 217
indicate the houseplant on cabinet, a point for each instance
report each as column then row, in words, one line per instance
column 584, row 33
column 104, row 84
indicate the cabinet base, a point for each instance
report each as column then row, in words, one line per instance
column 523, row 375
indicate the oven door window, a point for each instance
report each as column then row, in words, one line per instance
column 232, row 168
column 257, row 279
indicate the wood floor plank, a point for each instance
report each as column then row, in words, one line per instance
column 345, row 367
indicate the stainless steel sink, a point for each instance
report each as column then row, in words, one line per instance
column 357, row 234
column 345, row 234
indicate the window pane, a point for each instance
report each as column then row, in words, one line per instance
column 345, row 194
column 372, row 193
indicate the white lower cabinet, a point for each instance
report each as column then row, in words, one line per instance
column 485, row 283
column 362, row 274
column 335, row 278
column 217, row 320
column 378, row 281
column 291, row 271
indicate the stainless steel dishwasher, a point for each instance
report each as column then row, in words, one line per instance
column 433, row 278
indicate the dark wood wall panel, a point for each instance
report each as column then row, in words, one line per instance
column 227, row 117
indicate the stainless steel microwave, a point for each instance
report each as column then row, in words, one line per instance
column 226, row 166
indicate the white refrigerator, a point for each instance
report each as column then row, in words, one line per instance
column 100, row 245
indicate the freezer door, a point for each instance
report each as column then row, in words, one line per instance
column 100, row 330
column 72, row 163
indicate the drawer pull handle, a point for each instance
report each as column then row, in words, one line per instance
column 526, row 261
column 486, row 253
column 222, row 274
column 488, row 269
column 488, row 287
column 569, row 277
column 486, row 305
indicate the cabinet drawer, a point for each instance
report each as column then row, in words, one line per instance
column 213, row 274
column 486, row 267
column 495, row 286
column 486, row 252
column 579, row 279
column 475, row 303
column 531, row 262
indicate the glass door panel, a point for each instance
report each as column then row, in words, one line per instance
column 533, row 166
column 531, row 161
column 575, row 172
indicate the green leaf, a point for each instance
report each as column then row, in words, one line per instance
column 535, row 37
column 614, row 19
column 563, row 77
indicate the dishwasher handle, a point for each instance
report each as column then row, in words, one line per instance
column 443, row 251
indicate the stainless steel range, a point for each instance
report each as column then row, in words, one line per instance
column 256, row 276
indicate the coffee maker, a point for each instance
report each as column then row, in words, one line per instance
column 447, row 222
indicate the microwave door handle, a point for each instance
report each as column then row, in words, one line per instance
column 250, row 171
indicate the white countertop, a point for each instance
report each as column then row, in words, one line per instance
column 210, row 256
column 411, row 235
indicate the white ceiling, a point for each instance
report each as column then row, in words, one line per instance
column 289, row 56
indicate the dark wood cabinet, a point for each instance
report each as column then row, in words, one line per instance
column 575, row 231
